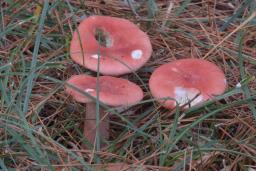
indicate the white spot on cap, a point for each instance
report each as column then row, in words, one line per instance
column 174, row 69
column 109, row 42
column 95, row 56
column 225, row 81
column 238, row 85
column 185, row 95
column 136, row 54
column 88, row 90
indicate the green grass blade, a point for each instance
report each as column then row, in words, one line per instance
column 31, row 76
column 245, row 86
column 182, row 8
column 186, row 130
column 246, row 3
column 2, row 166
column 152, row 8
column 40, row 155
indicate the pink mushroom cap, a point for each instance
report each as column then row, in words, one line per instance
column 187, row 80
column 127, row 48
column 112, row 91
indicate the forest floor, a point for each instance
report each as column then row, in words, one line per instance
column 41, row 126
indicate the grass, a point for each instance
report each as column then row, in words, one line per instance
column 40, row 126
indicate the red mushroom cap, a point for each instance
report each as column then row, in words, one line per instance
column 128, row 48
column 112, row 91
column 185, row 80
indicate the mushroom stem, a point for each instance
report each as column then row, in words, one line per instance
column 90, row 126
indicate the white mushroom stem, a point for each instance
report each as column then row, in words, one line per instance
column 90, row 125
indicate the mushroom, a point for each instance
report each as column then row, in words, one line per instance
column 123, row 45
column 112, row 91
column 188, row 81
